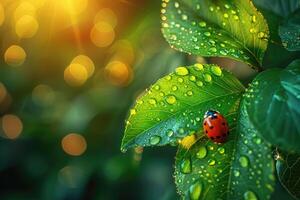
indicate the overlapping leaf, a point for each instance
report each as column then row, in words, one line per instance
column 174, row 106
column 233, row 29
column 241, row 168
column 273, row 101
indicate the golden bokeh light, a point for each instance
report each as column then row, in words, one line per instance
column 124, row 51
column 102, row 34
column 118, row 73
column 25, row 8
column 12, row 126
column 72, row 7
column 75, row 75
column 2, row 14
column 74, row 144
column 106, row 15
column 86, row 62
column 26, row 26
column 15, row 55
column 43, row 94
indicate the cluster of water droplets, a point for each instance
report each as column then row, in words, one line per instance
column 186, row 33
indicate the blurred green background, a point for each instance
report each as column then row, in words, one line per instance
column 69, row 72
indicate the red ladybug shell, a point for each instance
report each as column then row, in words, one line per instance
column 215, row 126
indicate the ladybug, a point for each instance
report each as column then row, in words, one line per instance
column 215, row 126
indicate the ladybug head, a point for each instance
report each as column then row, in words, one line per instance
column 210, row 113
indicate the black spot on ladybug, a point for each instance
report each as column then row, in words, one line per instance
column 218, row 137
column 227, row 133
column 223, row 123
column 206, row 131
column 211, row 127
column 205, row 123
column 212, row 138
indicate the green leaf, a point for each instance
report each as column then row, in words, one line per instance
column 288, row 171
column 241, row 168
column 289, row 32
column 279, row 7
column 273, row 101
column 233, row 29
column 174, row 106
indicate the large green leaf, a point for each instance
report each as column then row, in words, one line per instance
column 174, row 106
column 273, row 101
column 241, row 168
column 289, row 32
column 288, row 170
column 233, row 29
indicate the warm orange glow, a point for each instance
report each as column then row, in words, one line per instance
column 3, row 93
column 86, row 62
column 25, row 8
column 2, row 15
column 106, row 15
column 74, row 144
column 43, row 94
column 75, row 74
column 102, row 34
column 26, row 26
column 118, row 73
column 15, row 55
column 12, row 126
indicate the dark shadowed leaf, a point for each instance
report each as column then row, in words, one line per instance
column 288, row 170
column 272, row 102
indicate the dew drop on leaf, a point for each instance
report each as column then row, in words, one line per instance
column 199, row 83
column 155, row 139
column 202, row 152
column 236, row 173
column 207, row 34
column 211, row 162
column 198, row 67
column 171, row 99
column 202, row 24
column 170, row 133
column 216, row 70
column 195, row 190
column 186, row 166
column 221, row 150
column 152, row 101
column 182, row 71
column 249, row 195
column 244, row 161
column 207, row 77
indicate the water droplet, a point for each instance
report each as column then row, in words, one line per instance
column 180, row 80
column 249, row 195
column 213, row 49
column 192, row 78
column 252, row 30
column 171, row 99
column 170, row 133
column 202, row 24
column 184, row 17
column 152, row 101
column 189, row 93
column 235, row 17
column 199, row 83
column 186, row 166
column 221, row 150
column 226, row 15
column 211, row 162
column 243, row 161
column 168, row 77
column 261, row 35
column 236, row 173
column 216, row 70
column 257, row 140
column 155, row 140
column 253, row 18
column 207, row 34
column 211, row 8
column 198, row 67
column 176, row 4
column 207, row 77
column 132, row 111
column 202, row 152
column 182, row 71
column 195, row 191
column 174, row 87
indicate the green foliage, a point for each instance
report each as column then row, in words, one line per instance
column 289, row 32
column 265, row 114
column 174, row 106
column 272, row 102
column 239, row 169
column 213, row 28
column 288, row 170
